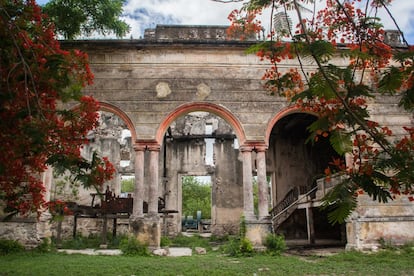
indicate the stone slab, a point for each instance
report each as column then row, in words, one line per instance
column 179, row 252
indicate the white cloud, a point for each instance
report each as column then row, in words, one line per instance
column 403, row 12
column 208, row 12
column 187, row 12
column 141, row 14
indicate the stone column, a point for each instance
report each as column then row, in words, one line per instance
column 309, row 225
column 43, row 226
column 153, row 170
column 146, row 227
column 262, row 183
column 139, row 181
column 248, row 205
column 47, row 182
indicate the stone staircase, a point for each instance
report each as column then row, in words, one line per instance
column 300, row 195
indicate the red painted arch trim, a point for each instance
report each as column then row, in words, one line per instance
column 284, row 112
column 201, row 106
column 117, row 111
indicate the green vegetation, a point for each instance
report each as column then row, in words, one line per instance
column 132, row 247
column 137, row 261
column 91, row 241
column 214, row 263
column 196, row 197
column 275, row 244
column 9, row 246
column 192, row 242
column 127, row 185
column 73, row 18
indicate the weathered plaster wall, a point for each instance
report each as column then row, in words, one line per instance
column 393, row 222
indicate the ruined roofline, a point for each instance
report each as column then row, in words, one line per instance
column 171, row 35
column 195, row 35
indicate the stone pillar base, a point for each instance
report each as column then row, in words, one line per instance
column 257, row 230
column 147, row 230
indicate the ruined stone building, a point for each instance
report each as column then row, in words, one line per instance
column 185, row 101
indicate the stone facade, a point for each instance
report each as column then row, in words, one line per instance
column 373, row 223
column 152, row 84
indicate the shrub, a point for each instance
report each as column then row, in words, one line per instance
column 165, row 241
column 237, row 247
column 132, row 247
column 387, row 244
column 232, row 247
column 10, row 246
column 408, row 248
column 246, row 247
column 46, row 246
column 275, row 244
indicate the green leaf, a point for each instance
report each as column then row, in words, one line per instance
column 320, row 87
column 340, row 201
column 340, row 141
column 319, row 49
column 262, row 46
column 373, row 185
column 402, row 56
column 359, row 90
column 322, row 124
column 391, row 81
column 407, row 99
column 306, row 94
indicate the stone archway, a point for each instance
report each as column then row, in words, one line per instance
column 107, row 140
column 184, row 148
column 295, row 165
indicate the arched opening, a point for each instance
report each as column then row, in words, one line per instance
column 295, row 166
column 201, row 144
column 112, row 139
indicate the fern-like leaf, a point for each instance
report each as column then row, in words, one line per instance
column 407, row 99
column 340, row 141
column 391, row 80
column 340, row 202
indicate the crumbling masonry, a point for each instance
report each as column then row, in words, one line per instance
column 184, row 100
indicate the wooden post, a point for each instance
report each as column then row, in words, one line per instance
column 75, row 224
column 310, row 225
column 114, row 227
column 104, row 229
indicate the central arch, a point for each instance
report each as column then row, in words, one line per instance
column 201, row 106
column 184, row 154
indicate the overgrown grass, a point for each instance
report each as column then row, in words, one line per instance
column 91, row 241
column 348, row 263
column 192, row 241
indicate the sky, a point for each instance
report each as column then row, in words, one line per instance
column 143, row 14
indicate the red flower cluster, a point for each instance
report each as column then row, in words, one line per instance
column 244, row 24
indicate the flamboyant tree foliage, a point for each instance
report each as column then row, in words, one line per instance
column 37, row 77
column 382, row 162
